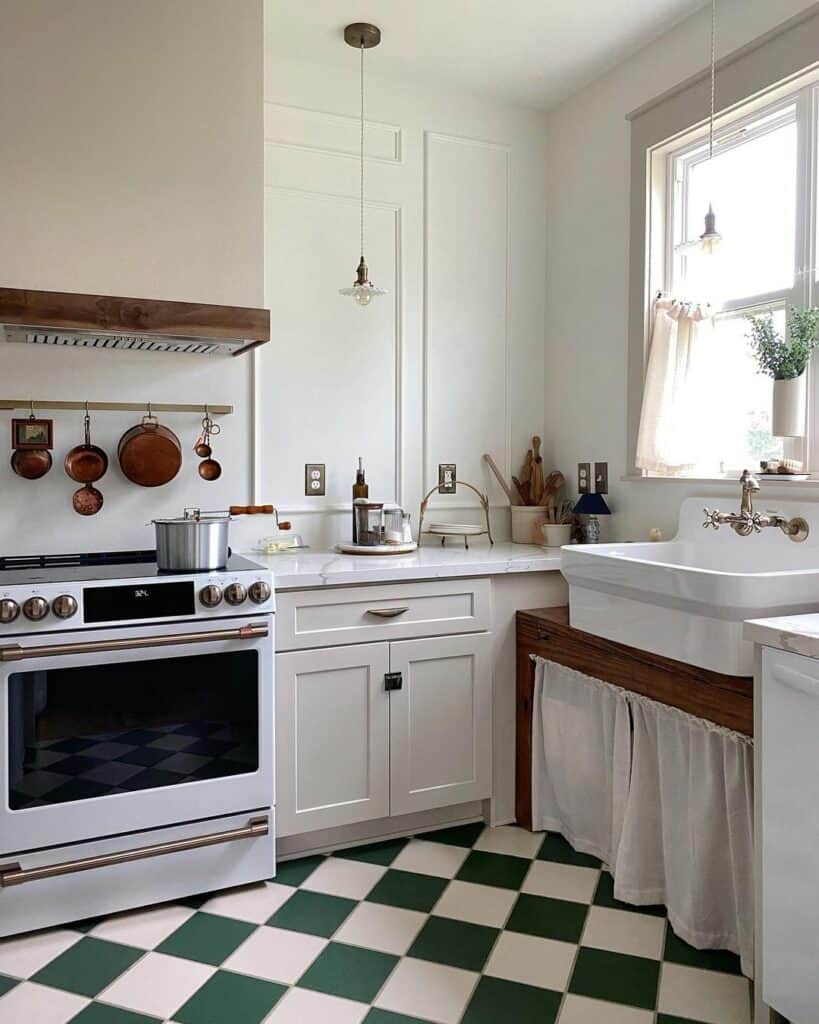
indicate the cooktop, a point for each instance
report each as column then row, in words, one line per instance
column 98, row 565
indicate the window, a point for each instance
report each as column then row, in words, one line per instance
column 762, row 181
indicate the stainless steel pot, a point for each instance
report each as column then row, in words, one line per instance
column 198, row 541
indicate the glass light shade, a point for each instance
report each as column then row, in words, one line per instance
column 362, row 293
column 710, row 238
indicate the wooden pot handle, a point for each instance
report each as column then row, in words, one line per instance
column 251, row 510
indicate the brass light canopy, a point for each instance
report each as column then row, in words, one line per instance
column 363, row 36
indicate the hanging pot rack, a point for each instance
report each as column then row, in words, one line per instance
column 31, row 404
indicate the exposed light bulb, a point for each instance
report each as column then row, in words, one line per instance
column 363, row 296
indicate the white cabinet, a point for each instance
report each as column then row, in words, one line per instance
column 348, row 749
column 332, row 736
column 789, row 820
column 440, row 722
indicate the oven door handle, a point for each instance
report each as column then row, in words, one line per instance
column 15, row 652
column 13, row 874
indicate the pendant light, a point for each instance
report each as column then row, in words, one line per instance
column 710, row 238
column 362, row 36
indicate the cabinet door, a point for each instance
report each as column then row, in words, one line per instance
column 440, row 722
column 332, row 724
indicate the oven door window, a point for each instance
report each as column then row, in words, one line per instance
column 84, row 732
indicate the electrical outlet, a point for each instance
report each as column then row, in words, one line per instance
column 314, row 479
column 446, row 478
column 583, row 477
column 601, row 477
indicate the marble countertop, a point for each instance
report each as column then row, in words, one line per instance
column 796, row 633
column 314, row 568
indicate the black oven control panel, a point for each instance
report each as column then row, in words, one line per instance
column 135, row 601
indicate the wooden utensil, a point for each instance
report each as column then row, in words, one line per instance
column 507, row 490
column 149, row 454
column 554, row 482
column 536, row 488
column 524, row 486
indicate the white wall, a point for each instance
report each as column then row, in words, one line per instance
column 132, row 164
column 588, row 238
column 450, row 363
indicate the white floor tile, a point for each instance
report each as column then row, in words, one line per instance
column 625, row 932
column 340, row 877
column 479, row 904
column 157, row 984
column 21, row 957
column 579, row 1010
column 254, row 903
column 428, row 858
column 144, row 929
column 531, row 960
column 561, row 881
column 275, row 954
column 29, row 1003
column 376, row 926
column 300, row 1006
column 417, row 988
column 509, row 839
column 707, row 996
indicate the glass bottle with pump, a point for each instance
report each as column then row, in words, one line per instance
column 360, row 490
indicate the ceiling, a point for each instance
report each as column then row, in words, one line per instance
column 529, row 52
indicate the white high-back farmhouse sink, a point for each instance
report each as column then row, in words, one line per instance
column 687, row 598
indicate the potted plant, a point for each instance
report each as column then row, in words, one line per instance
column 785, row 359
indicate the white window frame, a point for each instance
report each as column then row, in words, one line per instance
column 798, row 104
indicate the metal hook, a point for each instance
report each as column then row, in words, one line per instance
column 31, row 408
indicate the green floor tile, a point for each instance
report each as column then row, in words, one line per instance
column 664, row 1018
column 230, row 997
column 85, row 925
column 376, row 853
column 460, row 835
column 604, row 897
column 496, row 1000
column 88, row 966
column 313, row 912
column 376, row 1016
column 349, row 972
column 616, row 978
column 494, row 869
column 548, row 918
column 7, row 983
column 456, row 943
column 100, row 1013
column 408, row 890
column 679, row 952
column 556, row 848
column 294, row 872
column 208, row 938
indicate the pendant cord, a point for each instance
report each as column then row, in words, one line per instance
column 362, row 148
column 713, row 76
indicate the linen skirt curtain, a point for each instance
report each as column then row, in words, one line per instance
column 663, row 798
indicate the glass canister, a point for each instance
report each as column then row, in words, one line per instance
column 369, row 521
column 393, row 524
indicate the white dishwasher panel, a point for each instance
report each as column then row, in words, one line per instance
column 790, row 834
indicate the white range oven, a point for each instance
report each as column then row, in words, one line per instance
column 136, row 734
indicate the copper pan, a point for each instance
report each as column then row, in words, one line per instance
column 149, row 454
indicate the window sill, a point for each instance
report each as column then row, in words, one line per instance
column 730, row 483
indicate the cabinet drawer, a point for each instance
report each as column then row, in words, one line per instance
column 367, row 614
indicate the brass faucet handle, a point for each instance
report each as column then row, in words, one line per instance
column 749, row 481
column 711, row 518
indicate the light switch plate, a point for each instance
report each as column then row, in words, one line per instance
column 446, row 477
column 314, row 479
column 583, row 477
column 601, row 477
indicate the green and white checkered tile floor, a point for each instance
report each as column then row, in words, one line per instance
column 471, row 924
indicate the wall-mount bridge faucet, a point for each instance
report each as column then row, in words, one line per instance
column 746, row 521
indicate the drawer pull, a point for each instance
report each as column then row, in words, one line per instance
column 13, row 874
column 393, row 681
column 388, row 613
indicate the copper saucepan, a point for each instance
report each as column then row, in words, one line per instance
column 86, row 463
column 149, row 454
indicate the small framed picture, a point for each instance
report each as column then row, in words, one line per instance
column 31, row 434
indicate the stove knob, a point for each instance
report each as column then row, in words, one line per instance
column 64, row 606
column 235, row 593
column 9, row 610
column 259, row 592
column 211, row 595
column 35, row 608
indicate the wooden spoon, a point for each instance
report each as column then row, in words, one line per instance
column 525, row 479
column 536, row 490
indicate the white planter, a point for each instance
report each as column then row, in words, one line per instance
column 555, row 535
column 526, row 523
column 788, row 418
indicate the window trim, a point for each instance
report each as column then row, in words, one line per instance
column 757, row 74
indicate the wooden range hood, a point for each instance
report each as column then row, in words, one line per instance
column 144, row 325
